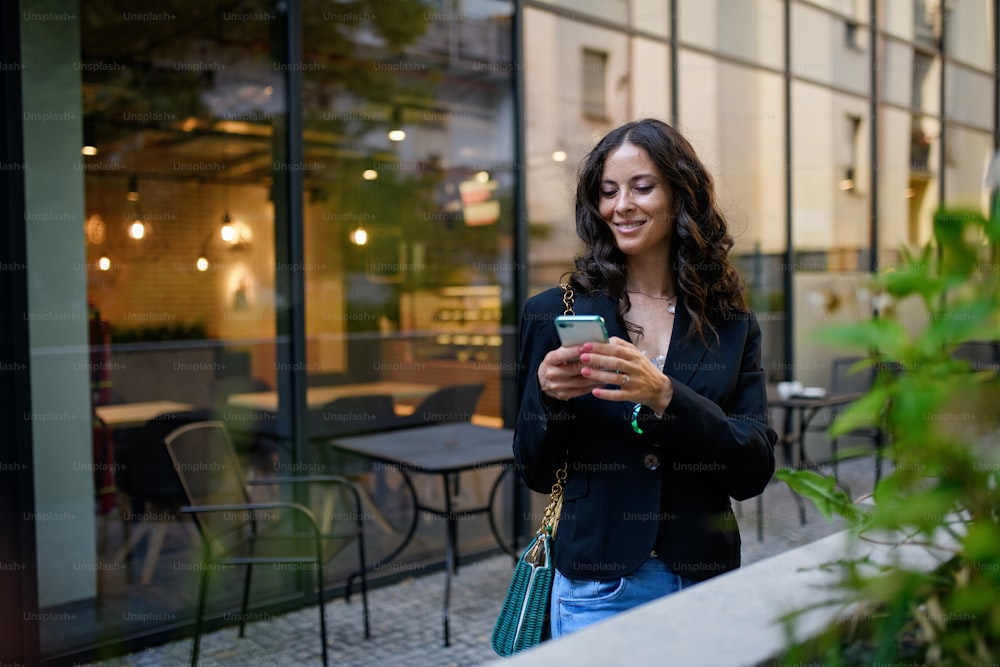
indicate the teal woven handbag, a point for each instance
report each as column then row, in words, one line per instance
column 524, row 618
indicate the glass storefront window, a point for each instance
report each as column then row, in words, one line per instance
column 830, row 49
column 748, row 30
column 975, row 90
column 743, row 147
column 182, row 279
column 654, row 61
column 610, row 10
column 903, row 19
column 909, row 77
column 559, row 131
column 966, row 174
column 969, row 39
column 408, row 226
column 651, row 16
column 176, row 240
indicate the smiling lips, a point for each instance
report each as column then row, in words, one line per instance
column 628, row 225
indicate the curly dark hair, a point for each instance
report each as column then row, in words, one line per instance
column 701, row 241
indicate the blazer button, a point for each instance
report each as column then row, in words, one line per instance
column 651, row 461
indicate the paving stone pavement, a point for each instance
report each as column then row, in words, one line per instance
column 406, row 616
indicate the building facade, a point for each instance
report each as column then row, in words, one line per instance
column 211, row 201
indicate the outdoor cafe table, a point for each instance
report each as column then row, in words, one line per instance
column 127, row 415
column 799, row 411
column 445, row 450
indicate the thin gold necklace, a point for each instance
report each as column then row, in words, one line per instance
column 671, row 300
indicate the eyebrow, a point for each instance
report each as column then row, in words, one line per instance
column 633, row 178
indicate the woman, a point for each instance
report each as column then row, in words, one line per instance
column 665, row 423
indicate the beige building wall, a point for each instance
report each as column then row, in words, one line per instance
column 731, row 106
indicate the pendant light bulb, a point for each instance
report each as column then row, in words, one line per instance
column 137, row 230
column 359, row 236
column 228, row 231
column 133, row 188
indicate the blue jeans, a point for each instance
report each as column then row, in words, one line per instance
column 576, row 603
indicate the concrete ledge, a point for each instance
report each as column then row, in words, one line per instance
column 730, row 620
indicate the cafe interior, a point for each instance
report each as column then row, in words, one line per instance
column 339, row 267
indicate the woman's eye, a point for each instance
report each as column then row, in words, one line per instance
column 609, row 193
column 644, row 189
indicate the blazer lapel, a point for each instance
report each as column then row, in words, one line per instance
column 686, row 352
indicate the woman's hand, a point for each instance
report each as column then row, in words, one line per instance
column 619, row 362
column 559, row 374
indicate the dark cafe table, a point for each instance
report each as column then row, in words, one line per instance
column 445, row 450
column 318, row 396
column 127, row 415
column 799, row 411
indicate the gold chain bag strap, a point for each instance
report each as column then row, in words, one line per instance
column 554, row 510
column 524, row 618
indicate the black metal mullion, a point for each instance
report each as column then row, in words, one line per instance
column 674, row 66
column 873, row 108
column 520, row 280
column 996, row 75
column 942, row 144
column 788, row 273
column 288, row 192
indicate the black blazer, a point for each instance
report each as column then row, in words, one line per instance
column 670, row 487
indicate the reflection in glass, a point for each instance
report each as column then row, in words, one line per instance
column 178, row 110
column 408, row 220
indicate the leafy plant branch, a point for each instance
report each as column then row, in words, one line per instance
column 940, row 417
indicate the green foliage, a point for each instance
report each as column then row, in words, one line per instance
column 941, row 422
column 822, row 490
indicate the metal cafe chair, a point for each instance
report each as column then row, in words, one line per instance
column 981, row 355
column 349, row 415
column 237, row 531
column 844, row 381
column 454, row 403
column 146, row 477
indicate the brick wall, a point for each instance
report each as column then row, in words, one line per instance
column 153, row 281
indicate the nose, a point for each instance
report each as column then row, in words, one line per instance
column 623, row 202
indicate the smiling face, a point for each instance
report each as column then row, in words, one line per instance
column 634, row 200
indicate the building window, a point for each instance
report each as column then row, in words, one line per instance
column 854, row 17
column 924, row 23
column 848, row 182
column 595, row 67
column 922, row 64
column 920, row 149
column 851, row 34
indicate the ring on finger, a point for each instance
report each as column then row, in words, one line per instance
column 626, row 380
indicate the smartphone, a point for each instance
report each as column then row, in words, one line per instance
column 580, row 329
